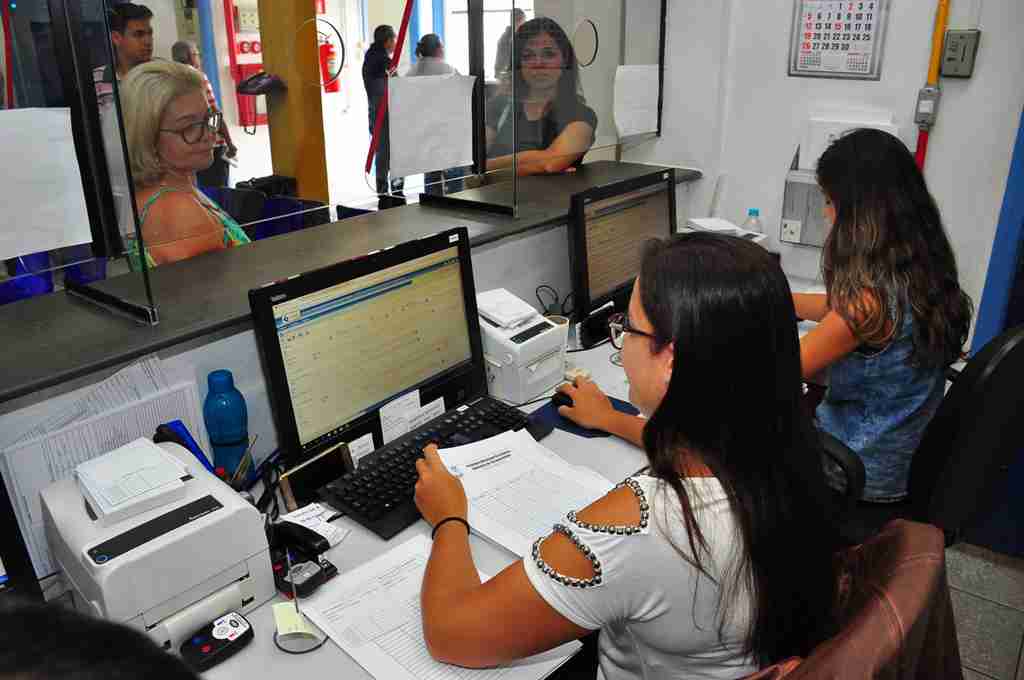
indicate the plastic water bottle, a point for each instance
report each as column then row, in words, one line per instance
column 227, row 420
column 753, row 222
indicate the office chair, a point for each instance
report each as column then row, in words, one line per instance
column 345, row 212
column 244, row 205
column 894, row 612
column 966, row 449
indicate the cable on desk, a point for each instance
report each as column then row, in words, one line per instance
column 545, row 287
column 587, row 349
column 534, row 401
column 571, row 311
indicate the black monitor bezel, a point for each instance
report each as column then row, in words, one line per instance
column 583, row 305
column 457, row 386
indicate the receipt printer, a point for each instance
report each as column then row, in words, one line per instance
column 169, row 569
column 524, row 352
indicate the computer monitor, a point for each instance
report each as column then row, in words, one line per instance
column 340, row 342
column 608, row 227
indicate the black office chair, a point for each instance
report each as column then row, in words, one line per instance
column 345, row 212
column 244, row 205
column 966, row 449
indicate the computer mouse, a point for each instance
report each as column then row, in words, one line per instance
column 561, row 399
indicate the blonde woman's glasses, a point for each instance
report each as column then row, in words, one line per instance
column 193, row 133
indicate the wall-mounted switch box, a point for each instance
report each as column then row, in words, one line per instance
column 803, row 210
column 959, row 52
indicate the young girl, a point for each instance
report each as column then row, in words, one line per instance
column 716, row 560
column 894, row 315
column 893, row 319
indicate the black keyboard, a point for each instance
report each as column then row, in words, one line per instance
column 379, row 493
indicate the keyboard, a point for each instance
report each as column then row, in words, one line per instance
column 379, row 493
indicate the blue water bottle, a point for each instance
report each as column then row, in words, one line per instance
column 227, row 421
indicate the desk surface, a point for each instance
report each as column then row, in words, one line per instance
column 57, row 338
column 611, row 457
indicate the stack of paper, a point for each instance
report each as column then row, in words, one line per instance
column 37, row 451
column 131, row 479
column 374, row 615
column 517, row 490
column 503, row 308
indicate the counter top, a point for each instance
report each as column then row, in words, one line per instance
column 57, row 338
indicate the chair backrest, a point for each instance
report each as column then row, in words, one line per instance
column 972, row 440
column 244, row 205
column 895, row 613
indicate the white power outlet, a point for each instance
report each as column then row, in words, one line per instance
column 790, row 232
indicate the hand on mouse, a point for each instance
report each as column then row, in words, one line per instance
column 591, row 407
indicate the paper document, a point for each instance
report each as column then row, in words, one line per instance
column 373, row 613
column 289, row 620
column 431, row 123
column 101, row 422
column 636, row 99
column 517, row 493
column 315, row 517
column 358, row 448
column 395, row 415
column 43, row 200
column 130, row 471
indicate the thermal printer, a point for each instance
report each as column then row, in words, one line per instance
column 524, row 352
column 169, row 566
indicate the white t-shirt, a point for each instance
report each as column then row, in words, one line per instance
column 658, row 616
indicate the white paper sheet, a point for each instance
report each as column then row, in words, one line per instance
column 636, row 99
column 28, row 466
column 373, row 613
column 42, row 193
column 517, row 493
column 315, row 517
column 395, row 416
column 360, row 448
column 431, row 123
column 427, row 413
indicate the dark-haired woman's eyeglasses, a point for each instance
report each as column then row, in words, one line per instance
column 193, row 133
column 618, row 326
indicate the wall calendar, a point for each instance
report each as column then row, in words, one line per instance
column 838, row 38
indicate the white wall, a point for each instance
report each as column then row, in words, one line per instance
column 730, row 107
column 165, row 26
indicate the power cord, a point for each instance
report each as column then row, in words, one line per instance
column 553, row 306
column 534, row 401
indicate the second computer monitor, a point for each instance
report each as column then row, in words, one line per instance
column 608, row 227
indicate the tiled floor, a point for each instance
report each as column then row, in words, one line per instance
column 988, row 602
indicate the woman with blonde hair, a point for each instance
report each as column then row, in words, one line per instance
column 171, row 133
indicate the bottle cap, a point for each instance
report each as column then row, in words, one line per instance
column 220, row 380
column 754, row 212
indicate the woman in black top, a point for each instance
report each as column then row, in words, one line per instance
column 554, row 126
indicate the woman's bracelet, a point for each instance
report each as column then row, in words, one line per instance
column 433, row 534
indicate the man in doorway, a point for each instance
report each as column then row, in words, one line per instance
column 132, row 35
column 503, row 60
column 376, row 70
column 216, row 175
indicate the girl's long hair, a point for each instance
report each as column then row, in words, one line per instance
column 888, row 252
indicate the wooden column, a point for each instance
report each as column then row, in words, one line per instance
column 296, row 121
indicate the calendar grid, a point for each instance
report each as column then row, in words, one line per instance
column 838, row 38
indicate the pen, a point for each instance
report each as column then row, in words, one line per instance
column 291, row 577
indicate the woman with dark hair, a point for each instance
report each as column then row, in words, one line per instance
column 894, row 315
column 430, row 58
column 553, row 125
column 715, row 560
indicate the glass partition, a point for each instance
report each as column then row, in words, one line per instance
column 69, row 205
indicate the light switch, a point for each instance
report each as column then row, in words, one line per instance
column 959, row 53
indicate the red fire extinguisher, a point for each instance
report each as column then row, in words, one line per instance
column 329, row 68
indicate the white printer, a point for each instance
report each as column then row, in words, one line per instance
column 169, row 569
column 523, row 351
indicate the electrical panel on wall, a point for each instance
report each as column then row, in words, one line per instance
column 248, row 18
column 803, row 210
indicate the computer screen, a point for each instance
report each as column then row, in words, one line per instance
column 341, row 343
column 608, row 229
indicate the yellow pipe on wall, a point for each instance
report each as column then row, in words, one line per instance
column 938, row 37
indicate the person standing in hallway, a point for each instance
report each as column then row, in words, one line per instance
column 131, row 32
column 216, row 175
column 376, row 71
